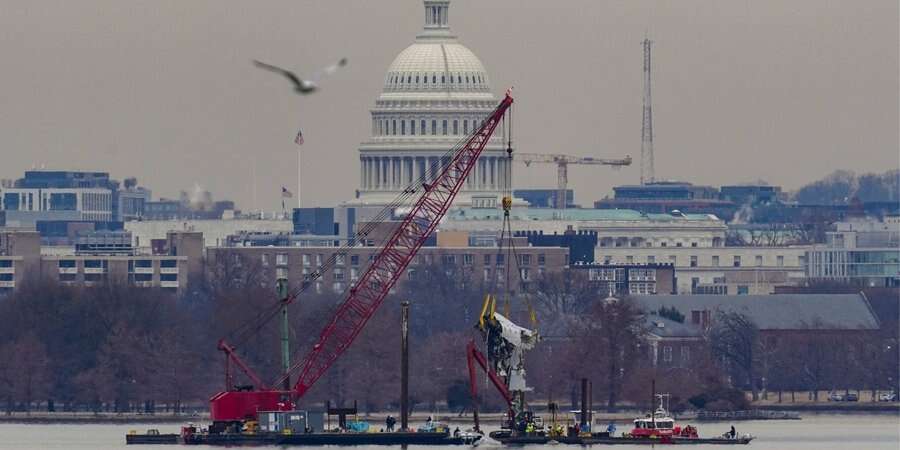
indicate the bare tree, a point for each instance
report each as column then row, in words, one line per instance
column 734, row 339
column 607, row 343
column 563, row 293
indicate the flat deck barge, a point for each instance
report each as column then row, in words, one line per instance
column 348, row 438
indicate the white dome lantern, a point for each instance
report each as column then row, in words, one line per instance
column 436, row 92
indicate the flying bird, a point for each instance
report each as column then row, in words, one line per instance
column 303, row 86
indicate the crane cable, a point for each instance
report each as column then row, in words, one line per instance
column 506, row 234
column 250, row 328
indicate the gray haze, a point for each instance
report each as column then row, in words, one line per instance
column 784, row 91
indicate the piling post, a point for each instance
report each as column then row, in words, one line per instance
column 590, row 409
column 584, row 394
column 404, row 366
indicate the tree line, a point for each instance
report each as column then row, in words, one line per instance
column 121, row 348
column 842, row 186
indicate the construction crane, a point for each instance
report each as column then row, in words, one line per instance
column 240, row 403
column 562, row 167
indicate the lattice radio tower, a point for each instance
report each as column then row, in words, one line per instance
column 647, row 173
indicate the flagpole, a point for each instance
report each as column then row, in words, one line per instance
column 299, row 173
column 299, row 141
column 253, row 180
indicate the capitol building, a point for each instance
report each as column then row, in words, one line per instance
column 436, row 92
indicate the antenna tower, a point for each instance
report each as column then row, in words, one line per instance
column 647, row 175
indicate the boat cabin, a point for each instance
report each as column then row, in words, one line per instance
column 649, row 424
column 658, row 423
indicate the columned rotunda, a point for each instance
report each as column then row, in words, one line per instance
column 435, row 93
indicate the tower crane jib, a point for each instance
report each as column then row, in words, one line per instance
column 562, row 167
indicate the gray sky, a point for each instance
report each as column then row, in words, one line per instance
column 784, row 91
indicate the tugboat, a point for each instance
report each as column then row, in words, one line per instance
column 660, row 425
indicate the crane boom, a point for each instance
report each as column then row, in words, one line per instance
column 552, row 158
column 373, row 286
column 562, row 167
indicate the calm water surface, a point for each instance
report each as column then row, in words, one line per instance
column 825, row 432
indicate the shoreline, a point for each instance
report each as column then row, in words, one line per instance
column 378, row 417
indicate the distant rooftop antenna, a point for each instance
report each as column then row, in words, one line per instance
column 647, row 175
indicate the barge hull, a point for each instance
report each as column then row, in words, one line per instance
column 132, row 439
column 621, row 441
column 327, row 439
column 310, row 439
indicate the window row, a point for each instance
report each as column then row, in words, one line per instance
column 468, row 259
column 461, row 79
column 715, row 260
column 424, row 127
column 641, row 242
column 281, row 259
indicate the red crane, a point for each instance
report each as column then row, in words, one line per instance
column 473, row 355
column 364, row 298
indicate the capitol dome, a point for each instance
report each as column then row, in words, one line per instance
column 446, row 67
column 436, row 92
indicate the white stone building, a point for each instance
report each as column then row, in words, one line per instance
column 215, row 232
column 615, row 228
column 436, row 92
column 863, row 252
column 719, row 270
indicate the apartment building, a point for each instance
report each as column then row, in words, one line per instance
column 98, row 261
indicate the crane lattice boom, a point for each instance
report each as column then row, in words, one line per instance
column 373, row 286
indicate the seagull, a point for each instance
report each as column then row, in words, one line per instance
column 303, row 86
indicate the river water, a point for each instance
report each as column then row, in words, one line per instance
column 822, row 432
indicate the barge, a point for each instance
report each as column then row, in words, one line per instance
column 504, row 437
column 307, row 439
column 298, row 428
column 187, row 437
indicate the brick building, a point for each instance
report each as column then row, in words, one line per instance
column 777, row 316
column 486, row 263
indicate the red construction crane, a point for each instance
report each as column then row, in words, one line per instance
column 562, row 168
column 364, row 297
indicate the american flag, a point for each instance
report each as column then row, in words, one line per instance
column 299, row 139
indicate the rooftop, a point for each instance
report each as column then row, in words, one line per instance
column 779, row 311
column 574, row 214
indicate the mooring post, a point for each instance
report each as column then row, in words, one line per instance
column 404, row 366
column 590, row 409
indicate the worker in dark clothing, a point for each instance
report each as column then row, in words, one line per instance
column 390, row 422
column 732, row 433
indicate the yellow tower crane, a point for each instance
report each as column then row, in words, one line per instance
column 562, row 167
